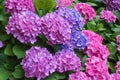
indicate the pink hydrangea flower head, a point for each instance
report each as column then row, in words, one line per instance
column 38, row 62
column 118, row 39
column 97, row 68
column 67, row 61
column 107, row 16
column 63, row 3
column 92, row 36
column 115, row 76
column 24, row 26
column 97, row 49
column 86, row 10
column 12, row 6
column 118, row 67
column 79, row 76
column 1, row 44
column 56, row 29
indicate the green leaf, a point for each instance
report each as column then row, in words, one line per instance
column 118, row 56
column 50, row 77
column 8, row 50
column 18, row 73
column 44, row 5
column 100, row 27
column 4, row 74
column 117, row 14
column 4, row 36
column 60, row 76
column 92, row 4
column 112, row 47
column 19, row 51
column 111, row 66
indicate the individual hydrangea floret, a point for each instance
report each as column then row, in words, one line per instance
column 38, row 62
column 78, row 39
column 112, row 5
column 71, row 15
column 107, row 16
column 97, row 68
column 86, row 10
column 67, row 61
column 56, row 29
column 1, row 44
column 24, row 26
column 92, row 36
column 78, row 76
column 65, row 3
column 12, row 6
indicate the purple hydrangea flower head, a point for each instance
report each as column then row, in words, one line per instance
column 71, row 15
column 56, row 29
column 112, row 5
column 67, row 61
column 1, row 44
column 24, row 26
column 97, row 68
column 78, row 76
column 66, row 46
column 18, row 5
column 107, row 16
column 38, row 62
column 78, row 39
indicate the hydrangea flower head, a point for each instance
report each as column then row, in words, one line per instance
column 98, row 50
column 86, row 10
column 71, row 15
column 115, row 76
column 1, row 44
column 24, row 26
column 56, row 29
column 65, row 3
column 38, row 62
column 18, row 5
column 95, row 46
column 78, row 76
column 67, row 61
column 112, row 5
column 92, row 36
column 107, row 16
column 97, row 68
column 78, row 39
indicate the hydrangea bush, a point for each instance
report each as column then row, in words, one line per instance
column 59, row 40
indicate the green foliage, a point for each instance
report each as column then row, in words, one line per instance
column 44, row 5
